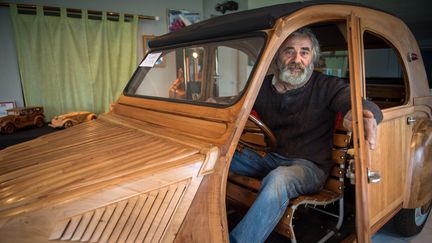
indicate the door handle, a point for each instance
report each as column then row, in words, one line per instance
column 411, row 120
column 373, row 176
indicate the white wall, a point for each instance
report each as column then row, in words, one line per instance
column 209, row 7
column 10, row 84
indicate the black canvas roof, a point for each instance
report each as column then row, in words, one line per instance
column 235, row 23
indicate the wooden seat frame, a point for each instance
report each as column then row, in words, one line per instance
column 243, row 190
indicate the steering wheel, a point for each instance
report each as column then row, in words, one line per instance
column 257, row 136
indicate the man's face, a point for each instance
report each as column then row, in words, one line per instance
column 295, row 59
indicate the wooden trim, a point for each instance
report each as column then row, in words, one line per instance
column 195, row 126
column 218, row 114
column 384, row 219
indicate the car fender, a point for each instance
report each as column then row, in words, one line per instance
column 37, row 117
column 91, row 117
column 67, row 120
column 419, row 186
column 17, row 121
column 5, row 123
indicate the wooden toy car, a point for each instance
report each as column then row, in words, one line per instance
column 22, row 117
column 155, row 168
column 72, row 119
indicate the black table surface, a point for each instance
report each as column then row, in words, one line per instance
column 24, row 134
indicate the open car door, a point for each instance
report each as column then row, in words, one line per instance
column 361, row 154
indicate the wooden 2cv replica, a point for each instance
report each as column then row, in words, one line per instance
column 156, row 167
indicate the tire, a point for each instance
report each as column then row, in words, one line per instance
column 40, row 122
column 409, row 222
column 9, row 128
column 68, row 124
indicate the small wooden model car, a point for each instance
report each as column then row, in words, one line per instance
column 72, row 119
column 22, row 117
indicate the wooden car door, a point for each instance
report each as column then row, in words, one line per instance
column 380, row 173
column 361, row 152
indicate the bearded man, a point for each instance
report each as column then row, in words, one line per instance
column 300, row 107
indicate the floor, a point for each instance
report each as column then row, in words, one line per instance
column 386, row 235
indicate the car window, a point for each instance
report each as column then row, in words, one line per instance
column 215, row 72
column 384, row 73
column 334, row 49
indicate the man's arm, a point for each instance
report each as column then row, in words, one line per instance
column 372, row 116
column 370, row 124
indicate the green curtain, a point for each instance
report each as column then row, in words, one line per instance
column 73, row 64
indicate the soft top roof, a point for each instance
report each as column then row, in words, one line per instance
column 235, row 23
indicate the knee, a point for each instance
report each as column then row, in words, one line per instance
column 283, row 180
column 276, row 179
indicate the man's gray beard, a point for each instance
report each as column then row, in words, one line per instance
column 286, row 75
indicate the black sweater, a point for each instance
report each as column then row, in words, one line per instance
column 303, row 119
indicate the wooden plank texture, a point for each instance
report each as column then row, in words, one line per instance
column 64, row 163
column 140, row 218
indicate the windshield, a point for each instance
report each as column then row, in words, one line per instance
column 13, row 113
column 215, row 72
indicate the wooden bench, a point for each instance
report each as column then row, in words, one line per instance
column 243, row 190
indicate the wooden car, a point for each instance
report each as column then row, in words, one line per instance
column 21, row 117
column 155, row 168
column 71, row 119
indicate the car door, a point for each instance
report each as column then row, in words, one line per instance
column 361, row 154
column 380, row 76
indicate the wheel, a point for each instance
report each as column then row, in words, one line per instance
column 409, row 222
column 68, row 124
column 40, row 122
column 256, row 126
column 9, row 128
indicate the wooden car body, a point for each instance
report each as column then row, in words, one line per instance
column 22, row 117
column 72, row 119
column 155, row 168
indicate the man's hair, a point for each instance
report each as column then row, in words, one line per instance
column 315, row 44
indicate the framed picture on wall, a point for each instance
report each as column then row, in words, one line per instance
column 178, row 19
column 4, row 106
column 146, row 38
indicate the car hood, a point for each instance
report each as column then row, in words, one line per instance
column 90, row 167
column 69, row 115
column 4, row 118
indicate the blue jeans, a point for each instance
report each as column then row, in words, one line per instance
column 283, row 179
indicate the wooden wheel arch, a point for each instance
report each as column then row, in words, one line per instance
column 418, row 186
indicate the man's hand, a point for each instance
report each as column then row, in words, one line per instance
column 176, row 90
column 370, row 126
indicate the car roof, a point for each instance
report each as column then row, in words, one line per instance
column 235, row 23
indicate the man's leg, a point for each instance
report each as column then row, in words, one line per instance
column 277, row 188
column 248, row 163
